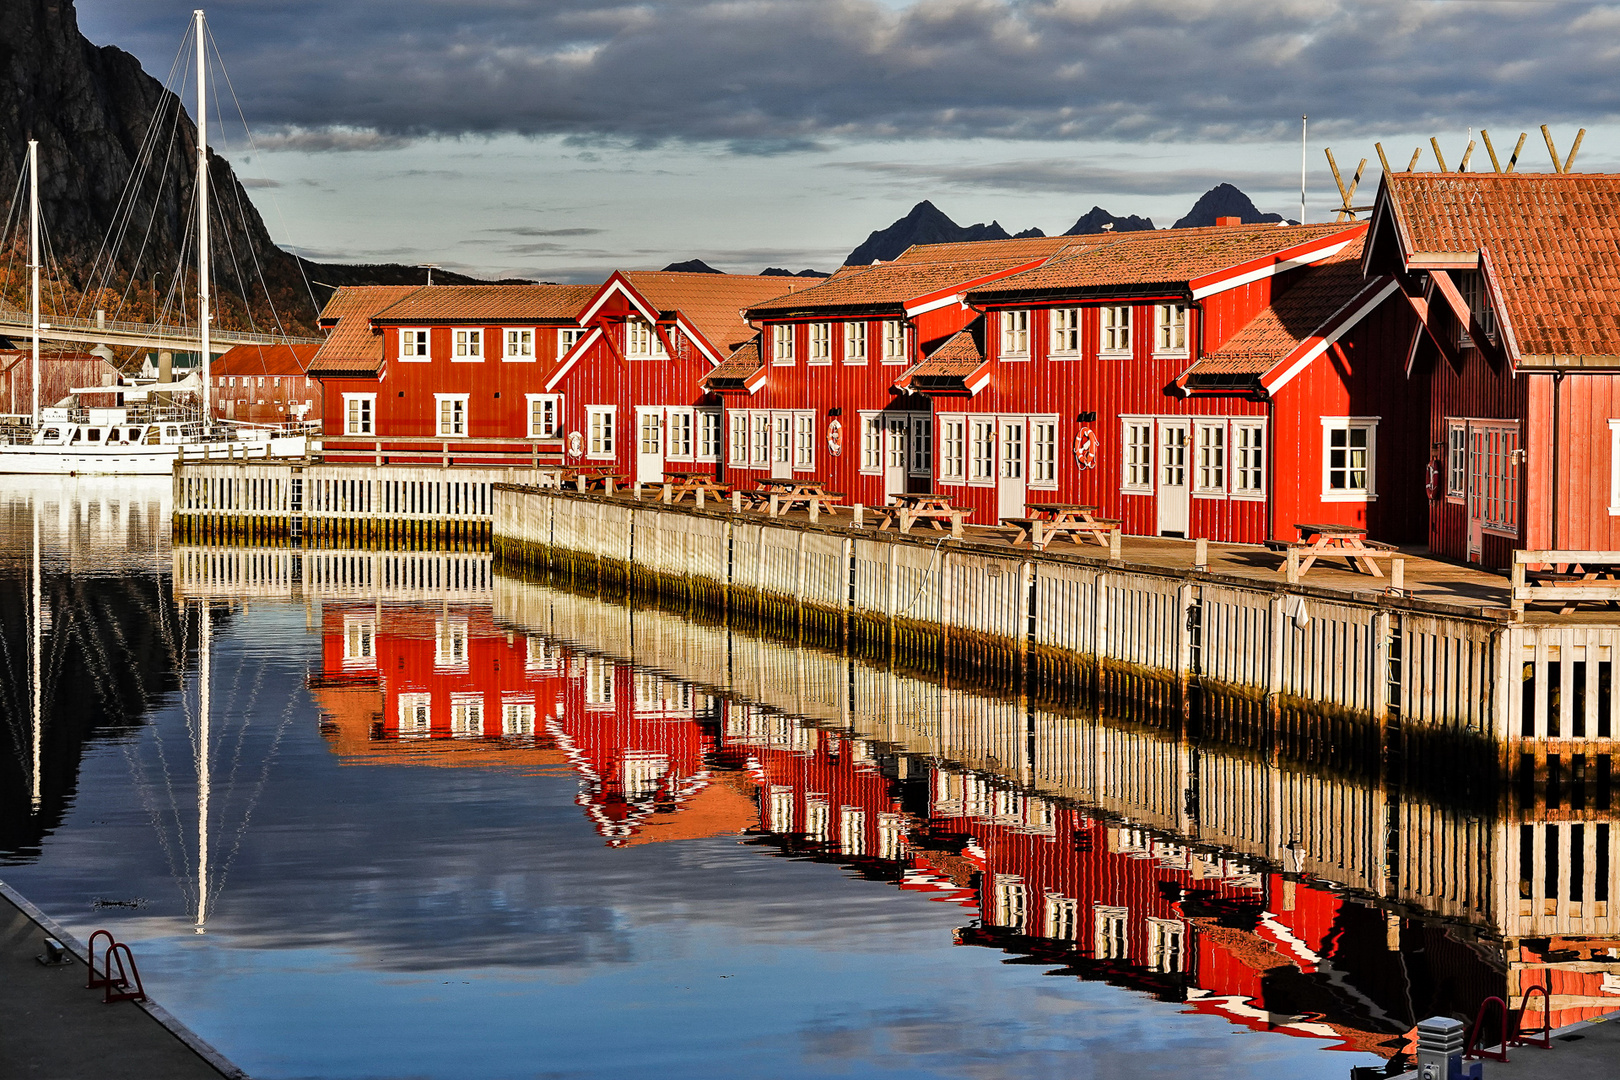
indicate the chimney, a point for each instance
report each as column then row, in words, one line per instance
column 1227, row 222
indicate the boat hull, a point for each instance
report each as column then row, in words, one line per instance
column 134, row 460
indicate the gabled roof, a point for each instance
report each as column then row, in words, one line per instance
column 956, row 367
column 264, row 360
column 713, row 303
column 920, row 273
column 1300, row 324
column 1200, row 261
column 481, row 304
column 352, row 347
column 744, row 369
column 1549, row 245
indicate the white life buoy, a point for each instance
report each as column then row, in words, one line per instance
column 1085, row 448
column 576, row 444
column 835, row 437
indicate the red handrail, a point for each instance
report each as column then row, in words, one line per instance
column 1473, row 1033
column 1530, row 1038
column 119, row 989
column 91, row 980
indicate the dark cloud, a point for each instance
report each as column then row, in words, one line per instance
column 259, row 182
column 529, row 230
column 768, row 76
column 1057, row 175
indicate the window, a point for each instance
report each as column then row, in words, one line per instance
column 781, row 812
column 782, row 345
column 982, row 452
column 1065, row 331
column 469, row 345
column 871, row 442
column 1007, row 902
column 1170, row 330
column 1043, row 450
column 519, row 345
column 1456, row 459
column 804, row 440
column 1494, row 475
column 652, row 430
column 638, row 338
column 599, row 421
column 598, row 681
column 680, row 434
column 545, row 415
column 1015, row 335
column 466, row 716
column 517, row 719
column 359, row 642
column 759, row 450
column 1109, row 942
column 1248, row 460
column 450, row 645
column 1348, row 446
column 1137, row 472
column 1062, row 917
column 358, row 410
column 415, row 716
column 894, row 342
column 1166, row 952
column 1471, row 284
column 413, row 345
column 1209, row 458
column 739, row 438
column 851, row 830
column 567, row 338
column 782, row 443
column 1116, row 330
column 821, row 343
column 952, row 449
column 708, row 434
column 922, row 446
column 452, row 413
column 816, row 817
column 855, row 343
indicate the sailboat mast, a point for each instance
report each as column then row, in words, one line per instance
column 203, row 655
column 36, row 650
column 202, row 214
column 33, row 259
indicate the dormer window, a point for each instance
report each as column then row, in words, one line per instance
column 413, row 345
column 1170, row 330
column 1015, row 335
column 1471, row 283
column 638, row 338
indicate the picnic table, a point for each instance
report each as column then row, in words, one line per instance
column 1326, row 541
column 777, row 495
column 1061, row 519
column 696, row 482
column 929, row 506
column 602, row 477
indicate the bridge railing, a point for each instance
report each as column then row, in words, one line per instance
column 10, row 316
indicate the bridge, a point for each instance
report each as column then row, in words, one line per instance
column 16, row 324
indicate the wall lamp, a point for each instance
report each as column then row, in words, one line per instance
column 1086, row 418
column 835, row 412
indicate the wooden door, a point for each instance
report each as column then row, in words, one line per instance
column 782, row 446
column 1172, row 495
column 1011, row 466
column 896, row 451
column 649, row 445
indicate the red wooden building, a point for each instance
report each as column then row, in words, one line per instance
column 266, row 384
column 1512, row 279
column 816, row 394
column 629, row 393
column 61, row 370
column 1224, row 382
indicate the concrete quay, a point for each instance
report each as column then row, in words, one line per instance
column 55, row 1029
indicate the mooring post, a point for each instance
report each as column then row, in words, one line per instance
column 736, row 502
column 669, row 494
column 858, row 519
column 1440, row 1047
column 1113, row 545
column 698, row 495
column 1037, row 536
column 815, row 505
column 1293, row 564
column 1397, row 577
column 1200, row 554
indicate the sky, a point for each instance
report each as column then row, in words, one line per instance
column 561, row 139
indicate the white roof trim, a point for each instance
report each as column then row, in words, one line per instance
column 1271, row 270
column 934, row 305
column 573, row 357
column 622, row 286
column 1328, row 342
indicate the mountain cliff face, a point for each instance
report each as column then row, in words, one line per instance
column 1224, row 200
column 1097, row 220
column 926, row 224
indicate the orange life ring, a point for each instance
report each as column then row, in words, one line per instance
column 835, row 437
column 1085, row 448
column 1431, row 479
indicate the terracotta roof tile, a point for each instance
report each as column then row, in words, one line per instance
column 1293, row 316
column 948, row 367
column 1551, row 243
column 713, row 302
column 734, row 373
column 920, row 270
column 352, row 346
column 264, row 360
column 1157, row 257
column 489, row 304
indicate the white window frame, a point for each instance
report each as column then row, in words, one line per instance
column 601, row 433
column 871, row 443
column 450, row 639
column 804, row 441
column 1137, row 448
column 739, row 420
column 466, row 715
column 1014, row 334
column 782, row 345
column 920, row 443
column 517, row 344
column 1614, row 468
column 709, row 434
column 639, row 336
column 820, row 344
column 1063, row 333
column 1044, row 455
column 680, row 434
column 1113, row 337
column 894, row 341
column 548, row 403
column 759, row 440
column 440, row 418
column 1170, row 330
column 1369, row 424
column 1500, row 513
column 415, row 345
column 1248, row 442
column 952, row 448
column 517, row 717
column 1456, row 460
column 354, row 424
column 419, row 709
column 857, row 338
column 467, row 345
column 567, row 338
column 982, row 444
column 1211, row 459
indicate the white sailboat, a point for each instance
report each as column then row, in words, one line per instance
column 135, row 428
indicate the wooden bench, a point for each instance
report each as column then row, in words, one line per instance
column 1565, row 578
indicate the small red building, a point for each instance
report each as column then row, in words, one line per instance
column 60, row 372
column 1511, row 280
column 819, row 392
column 266, row 384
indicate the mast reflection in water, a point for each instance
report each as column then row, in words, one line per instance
column 466, row 826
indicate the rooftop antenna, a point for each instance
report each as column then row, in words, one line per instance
column 1304, row 128
column 430, row 267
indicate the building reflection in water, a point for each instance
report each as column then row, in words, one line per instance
column 1322, row 903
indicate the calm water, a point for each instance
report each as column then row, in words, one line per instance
column 460, row 826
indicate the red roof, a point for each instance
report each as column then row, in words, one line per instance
column 489, row 304
column 949, row 368
column 353, row 347
column 713, row 303
column 738, row 369
column 264, row 360
column 1549, row 243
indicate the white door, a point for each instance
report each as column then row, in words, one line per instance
column 1172, row 492
column 782, row 446
column 896, row 447
column 649, row 446
column 1011, row 467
